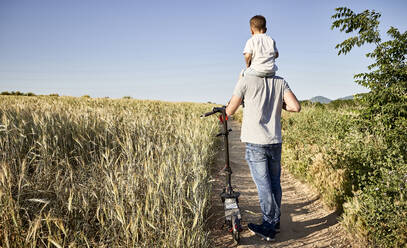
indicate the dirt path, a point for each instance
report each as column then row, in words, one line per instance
column 305, row 222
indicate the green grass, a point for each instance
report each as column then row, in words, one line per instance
column 355, row 172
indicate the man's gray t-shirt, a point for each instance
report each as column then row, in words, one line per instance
column 263, row 101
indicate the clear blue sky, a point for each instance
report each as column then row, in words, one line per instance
column 174, row 50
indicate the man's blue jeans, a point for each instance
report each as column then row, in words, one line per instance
column 265, row 165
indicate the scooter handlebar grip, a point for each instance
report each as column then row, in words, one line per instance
column 207, row 114
column 214, row 111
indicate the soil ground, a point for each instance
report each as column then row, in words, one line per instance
column 305, row 221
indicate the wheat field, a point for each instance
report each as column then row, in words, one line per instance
column 83, row 172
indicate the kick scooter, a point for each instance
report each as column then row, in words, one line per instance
column 230, row 198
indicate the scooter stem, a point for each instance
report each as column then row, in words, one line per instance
column 228, row 170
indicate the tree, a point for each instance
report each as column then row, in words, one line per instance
column 385, row 106
column 380, row 207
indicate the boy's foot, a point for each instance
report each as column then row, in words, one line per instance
column 264, row 230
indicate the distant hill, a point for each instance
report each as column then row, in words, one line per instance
column 323, row 99
column 320, row 99
column 346, row 98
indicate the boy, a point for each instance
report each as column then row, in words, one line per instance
column 260, row 51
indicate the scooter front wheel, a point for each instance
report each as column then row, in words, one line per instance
column 236, row 228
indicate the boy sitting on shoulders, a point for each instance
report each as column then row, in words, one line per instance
column 260, row 51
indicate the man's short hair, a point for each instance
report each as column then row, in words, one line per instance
column 258, row 22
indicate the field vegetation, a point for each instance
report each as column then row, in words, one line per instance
column 355, row 172
column 83, row 172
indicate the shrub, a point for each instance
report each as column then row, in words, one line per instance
column 318, row 156
column 353, row 171
column 16, row 93
column 348, row 103
column 383, row 115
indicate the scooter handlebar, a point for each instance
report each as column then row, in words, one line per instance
column 214, row 111
column 207, row 114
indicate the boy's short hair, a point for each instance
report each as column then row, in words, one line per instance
column 258, row 22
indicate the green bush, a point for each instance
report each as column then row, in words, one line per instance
column 16, row 93
column 337, row 104
column 320, row 156
column 380, row 212
column 306, row 103
column 354, row 171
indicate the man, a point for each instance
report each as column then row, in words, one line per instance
column 264, row 99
